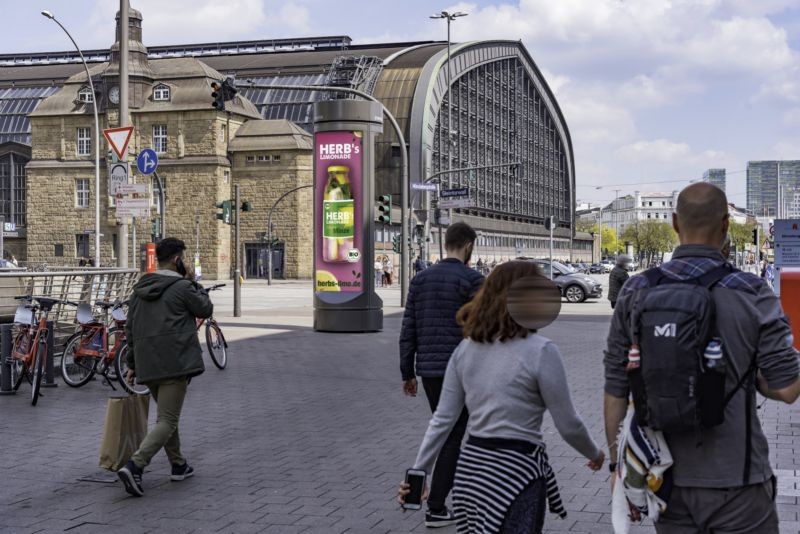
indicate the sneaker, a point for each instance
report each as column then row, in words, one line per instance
column 181, row 472
column 131, row 476
column 439, row 518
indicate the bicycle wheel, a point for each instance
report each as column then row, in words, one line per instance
column 112, row 340
column 76, row 370
column 121, row 365
column 17, row 373
column 215, row 343
column 37, row 370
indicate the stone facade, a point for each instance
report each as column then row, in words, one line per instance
column 262, row 184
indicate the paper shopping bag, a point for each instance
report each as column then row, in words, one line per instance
column 124, row 430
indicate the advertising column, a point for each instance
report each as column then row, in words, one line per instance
column 344, row 194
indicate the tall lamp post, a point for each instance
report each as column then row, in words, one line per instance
column 52, row 17
column 450, row 17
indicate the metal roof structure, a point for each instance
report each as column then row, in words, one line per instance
column 502, row 110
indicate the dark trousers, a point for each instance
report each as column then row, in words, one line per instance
column 445, row 471
column 526, row 513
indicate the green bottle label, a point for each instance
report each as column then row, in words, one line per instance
column 337, row 218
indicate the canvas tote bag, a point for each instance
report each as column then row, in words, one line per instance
column 124, row 430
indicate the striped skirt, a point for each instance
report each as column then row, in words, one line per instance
column 491, row 473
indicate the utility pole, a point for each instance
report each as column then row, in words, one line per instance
column 237, row 269
column 123, row 114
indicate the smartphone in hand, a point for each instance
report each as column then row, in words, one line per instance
column 415, row 478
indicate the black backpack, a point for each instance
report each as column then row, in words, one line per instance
column 672, row 322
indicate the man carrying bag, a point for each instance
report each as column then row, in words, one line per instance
column 164, row 353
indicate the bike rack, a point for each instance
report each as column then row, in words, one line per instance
column 6, row 332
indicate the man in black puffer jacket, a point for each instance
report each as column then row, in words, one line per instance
column 429, row 336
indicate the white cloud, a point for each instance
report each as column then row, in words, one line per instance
column 659, row 150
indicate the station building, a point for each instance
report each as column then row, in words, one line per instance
column 498, row 111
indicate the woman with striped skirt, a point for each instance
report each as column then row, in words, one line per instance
column 507, row 376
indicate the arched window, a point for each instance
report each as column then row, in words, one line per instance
column 85, row 94
column 161, row 92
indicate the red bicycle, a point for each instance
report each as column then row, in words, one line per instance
column 29, row 345
column 99, row 349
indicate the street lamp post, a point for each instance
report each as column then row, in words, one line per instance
column 450, row 17
column 52, row 17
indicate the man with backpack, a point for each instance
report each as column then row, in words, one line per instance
column 692, row 342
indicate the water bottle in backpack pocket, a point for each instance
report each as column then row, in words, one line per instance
column 712, row 385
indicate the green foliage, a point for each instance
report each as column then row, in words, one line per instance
column 741, row 234
column 651, row 238
column 608, row 238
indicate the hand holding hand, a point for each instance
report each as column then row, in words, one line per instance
column 410, row 387
column 597, row 463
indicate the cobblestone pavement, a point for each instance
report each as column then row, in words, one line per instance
column 303, row 432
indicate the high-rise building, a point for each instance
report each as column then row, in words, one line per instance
column 715, row 177
column 771, row 186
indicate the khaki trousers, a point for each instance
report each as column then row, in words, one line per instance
column 169, row 395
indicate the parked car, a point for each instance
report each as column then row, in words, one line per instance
column 633, row 266
column 580, row 267
column 607, row 265
column 597, row 268
column 575, row 287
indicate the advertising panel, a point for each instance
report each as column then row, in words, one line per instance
column 337, row 211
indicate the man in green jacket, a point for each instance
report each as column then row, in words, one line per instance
column 164, row 353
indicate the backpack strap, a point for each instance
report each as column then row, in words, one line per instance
column 715, row 276
column 746, row 382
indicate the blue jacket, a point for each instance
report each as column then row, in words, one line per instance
column 430, row 332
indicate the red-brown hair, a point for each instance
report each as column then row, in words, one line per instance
column 485, row 318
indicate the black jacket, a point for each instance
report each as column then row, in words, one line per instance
column 161, row 328
column 616, row 280
column 430, row 333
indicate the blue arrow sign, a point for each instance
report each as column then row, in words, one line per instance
column 147, row 162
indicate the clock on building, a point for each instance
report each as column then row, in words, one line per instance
column 113, row 94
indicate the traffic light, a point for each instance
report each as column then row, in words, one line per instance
column 550, row 223
column 156, row 227
column 396, row 247
column 229, row 89
column 385, row 209
column 227, row 209
column 755, row 236
column 246, row 206
column 217, row 95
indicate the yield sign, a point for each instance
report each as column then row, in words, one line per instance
column 119, row 138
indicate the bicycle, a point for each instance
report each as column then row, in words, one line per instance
column 90, row 351
column 29, row 345
column 215, row 341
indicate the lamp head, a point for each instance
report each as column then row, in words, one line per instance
column 48, row 14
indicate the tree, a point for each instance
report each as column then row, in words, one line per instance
column 741, row 234
column 582, row 225
column 651, row 239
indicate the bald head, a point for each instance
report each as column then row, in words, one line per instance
column 701, row 216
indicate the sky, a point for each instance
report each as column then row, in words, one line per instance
column 654, row 91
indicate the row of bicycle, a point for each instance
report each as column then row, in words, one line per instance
column 97, row 348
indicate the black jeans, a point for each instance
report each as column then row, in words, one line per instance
column 445, row 471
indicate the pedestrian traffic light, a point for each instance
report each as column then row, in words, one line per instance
column 385, row 209
column 550, row 223
column 755, row 236
column 229, row 89
column 227, row 209
column 396, row 244
column 217, row 94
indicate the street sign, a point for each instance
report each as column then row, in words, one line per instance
column 9, row 227
column 451, row 193
column 133, row 200
column 147, row 162
column 455, row 198
column 117, row 175
column 424, row 187
column 119, row 138
column 772, row 229
column 458, row 202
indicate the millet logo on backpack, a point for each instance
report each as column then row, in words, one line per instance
column 666, row 330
